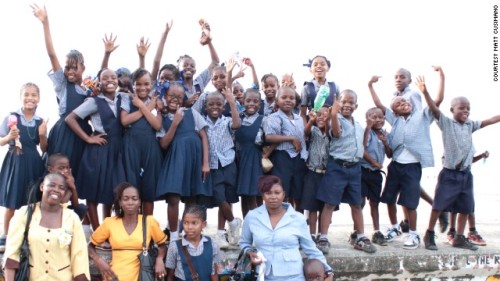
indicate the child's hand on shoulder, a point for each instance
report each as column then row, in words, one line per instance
column 109, row 43
column 136, row 101
column 152, row 103
column 374, row 79
column 42, row 130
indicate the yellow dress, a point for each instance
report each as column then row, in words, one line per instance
column 124, row 260
column 55, row 254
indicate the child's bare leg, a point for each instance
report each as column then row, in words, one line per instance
column 93, row 215
column 313, row 218
column 325, row 218
column 424, row 195
column 471, row 219
column 433, row 219
column 375, row 215
column 392, row 211
column 226, row 213
column 357, row 218
column 412, row 218
column 453, row 220
column 106, row 210
column 147, row 207
column 173, row 211
column 461, row 220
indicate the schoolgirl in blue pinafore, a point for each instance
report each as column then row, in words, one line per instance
column 61, row 138
column 19, row 171
column 142, row 155
column 249, row 157
column 181, row 169
column 202, row 263
column 101, row 166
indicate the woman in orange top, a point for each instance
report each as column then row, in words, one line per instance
column 124, row 233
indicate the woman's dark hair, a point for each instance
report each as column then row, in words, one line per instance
column 118, row 195
column 196, row 210
column 267, row 181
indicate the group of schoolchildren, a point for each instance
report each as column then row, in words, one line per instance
column 163, row 133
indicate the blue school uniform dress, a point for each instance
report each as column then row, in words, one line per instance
column 141, row 153
column 181, row 168
column 19, row 171
column 101, row 168
column 249, row 154
column 61, row 138
column 289, row 165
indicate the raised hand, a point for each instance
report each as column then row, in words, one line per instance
column 152, row 103
column 42, row 130
column 369, row 122
column 205, row 32
column 178, row 115
column 312, row 115
column 421, row 84
column 109, row 43
column 40, row 13
column 231, row 63
column 437, row 68
column 143, row 46
column 228, row 94
column 374, row 79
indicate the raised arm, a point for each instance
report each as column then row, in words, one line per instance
column 235, row 116
column 375, row 97
column 206, row 39
column 490, row 121
column 310, row 123
column 159, row 51
column 255, row 79
column 109, row 47
column 440, row 96
column 335, row 123
column 42, row 15
column 142, row 49
column 432, row 105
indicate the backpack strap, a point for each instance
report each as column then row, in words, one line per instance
column 312, row 94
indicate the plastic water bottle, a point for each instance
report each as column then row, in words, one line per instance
column 321, row 96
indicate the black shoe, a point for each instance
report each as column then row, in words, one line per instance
column 379, row 239
column 463, row 243
column 405, row 227
column 429, row 241
column 444, row 221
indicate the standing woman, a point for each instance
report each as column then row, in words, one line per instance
column 124, row 233
column 278, row 232
column 58, row 249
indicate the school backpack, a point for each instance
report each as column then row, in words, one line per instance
column 312, row 94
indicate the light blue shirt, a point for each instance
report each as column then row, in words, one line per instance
column 279, row 124
column 60, row 84
column 375, row 148
column 280, row 246
column 457, row 142
column 221, row 142
column 202, row 79
column 414, row 97
column 413, row 134
column 349, row 146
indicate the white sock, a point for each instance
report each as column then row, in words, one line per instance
column 221, row 232
column 174, row 235
column 414, row 232
column 360, row 235
column 234, row 222
column 396, row 226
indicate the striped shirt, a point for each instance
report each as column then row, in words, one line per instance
column 412, row 134
column 457, row 141
column 268, row 107
column 349, row 146
column 318, row 149
column 89, row 108
column 279, row 124
column 375, row 148
column 220, row 141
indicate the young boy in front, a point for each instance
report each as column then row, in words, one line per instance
column 376, row 147
column 342, row 179
column 454, row 189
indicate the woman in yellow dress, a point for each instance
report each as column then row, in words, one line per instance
column 58, row 249
column 124, row 233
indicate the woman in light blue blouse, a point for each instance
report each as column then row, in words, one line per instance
column 277, row 231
